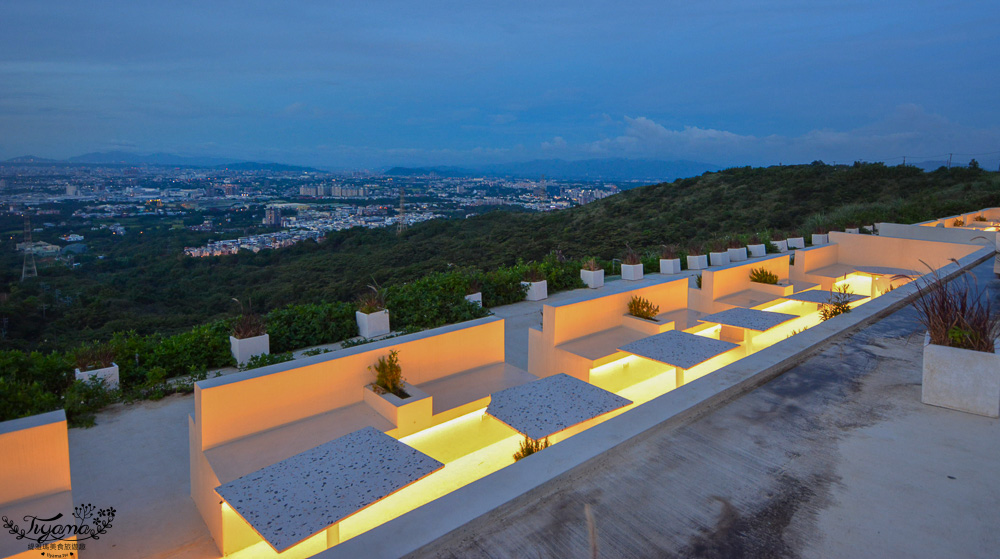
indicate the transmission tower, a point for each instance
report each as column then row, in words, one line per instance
column 401, row 224
column 28, row 270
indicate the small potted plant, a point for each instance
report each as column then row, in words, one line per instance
column 669, row 262
column 736, row 250
column 405, row 405
column 780, row 245
column 695, row 259
column 961, row 365
column 959, row 222
column 248, row 337
column 979, row 217
column 768, row 282
column 642, row 317
column 756, row 247
column 592, row 274
column 719, row 254
column 820, row 236
column 538, row 287
column 796, row 242
column 474, row 291
column 97, row 362
column 631, row 265
column 372, row 316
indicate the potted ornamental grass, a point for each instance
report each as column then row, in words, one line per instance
column 371, row 314
column 780, row 244
column 405, row 405
column 642, row 315
column 248, row 337
column 631, row 265
column 756, row 246
column 696, row 259
column 670, row 263
column 768, row 282
column 592, row 274
column 736, row 250
column 538, row 287
column 96, row 362
column 474, row 291
column 961, row 363
column 719, row 253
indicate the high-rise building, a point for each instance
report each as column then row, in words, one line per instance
column 272, row 217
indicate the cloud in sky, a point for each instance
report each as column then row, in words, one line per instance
column 908, row 131
column 388, row 83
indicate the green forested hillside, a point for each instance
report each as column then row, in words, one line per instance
column 147, row 285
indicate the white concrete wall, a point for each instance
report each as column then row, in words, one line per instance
column 940, row 234
column 235, row 406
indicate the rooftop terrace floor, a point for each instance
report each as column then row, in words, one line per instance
column 835, row 458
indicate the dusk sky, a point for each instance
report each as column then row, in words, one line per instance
column 366, row 84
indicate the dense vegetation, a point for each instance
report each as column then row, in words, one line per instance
column 144, row 298
column 145, row 284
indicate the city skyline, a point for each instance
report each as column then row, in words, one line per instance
column 369, row 86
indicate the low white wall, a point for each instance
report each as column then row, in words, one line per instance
column 940, row 234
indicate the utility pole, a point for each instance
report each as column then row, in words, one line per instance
column 949, row 160
column 28, row 270
column 401, row 223
column 904, row 161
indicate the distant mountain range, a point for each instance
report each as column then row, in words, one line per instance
column 591, row 169
column 160, row 160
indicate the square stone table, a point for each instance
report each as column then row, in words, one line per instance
column 552, row 404
column 300, row 496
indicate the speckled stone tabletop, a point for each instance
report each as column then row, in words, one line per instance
column 751, row 319
column 293, row 499
column 885, row 271
column 551, row 404
column 678, row 349
column 819, row 296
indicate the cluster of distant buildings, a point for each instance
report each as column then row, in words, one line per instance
column 253, row 243
column 335, row 191
column 307, row 225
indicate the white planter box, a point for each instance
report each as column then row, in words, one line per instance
column 537, row 290
column 796, row 242
column 961, row 379
column 108, row 374
column 820, row 239
column 245, row 348
column 592, row 278
column 782, row 245
column 408, row 414
column 699, row 262
column 631, row 272
column 853, row 230
column 648, row 327
column 737, row 254
column 780, row 289
column 756, row 251
column 670, row 265
column 374, row 324
column 476, row 298
column 718, row 258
